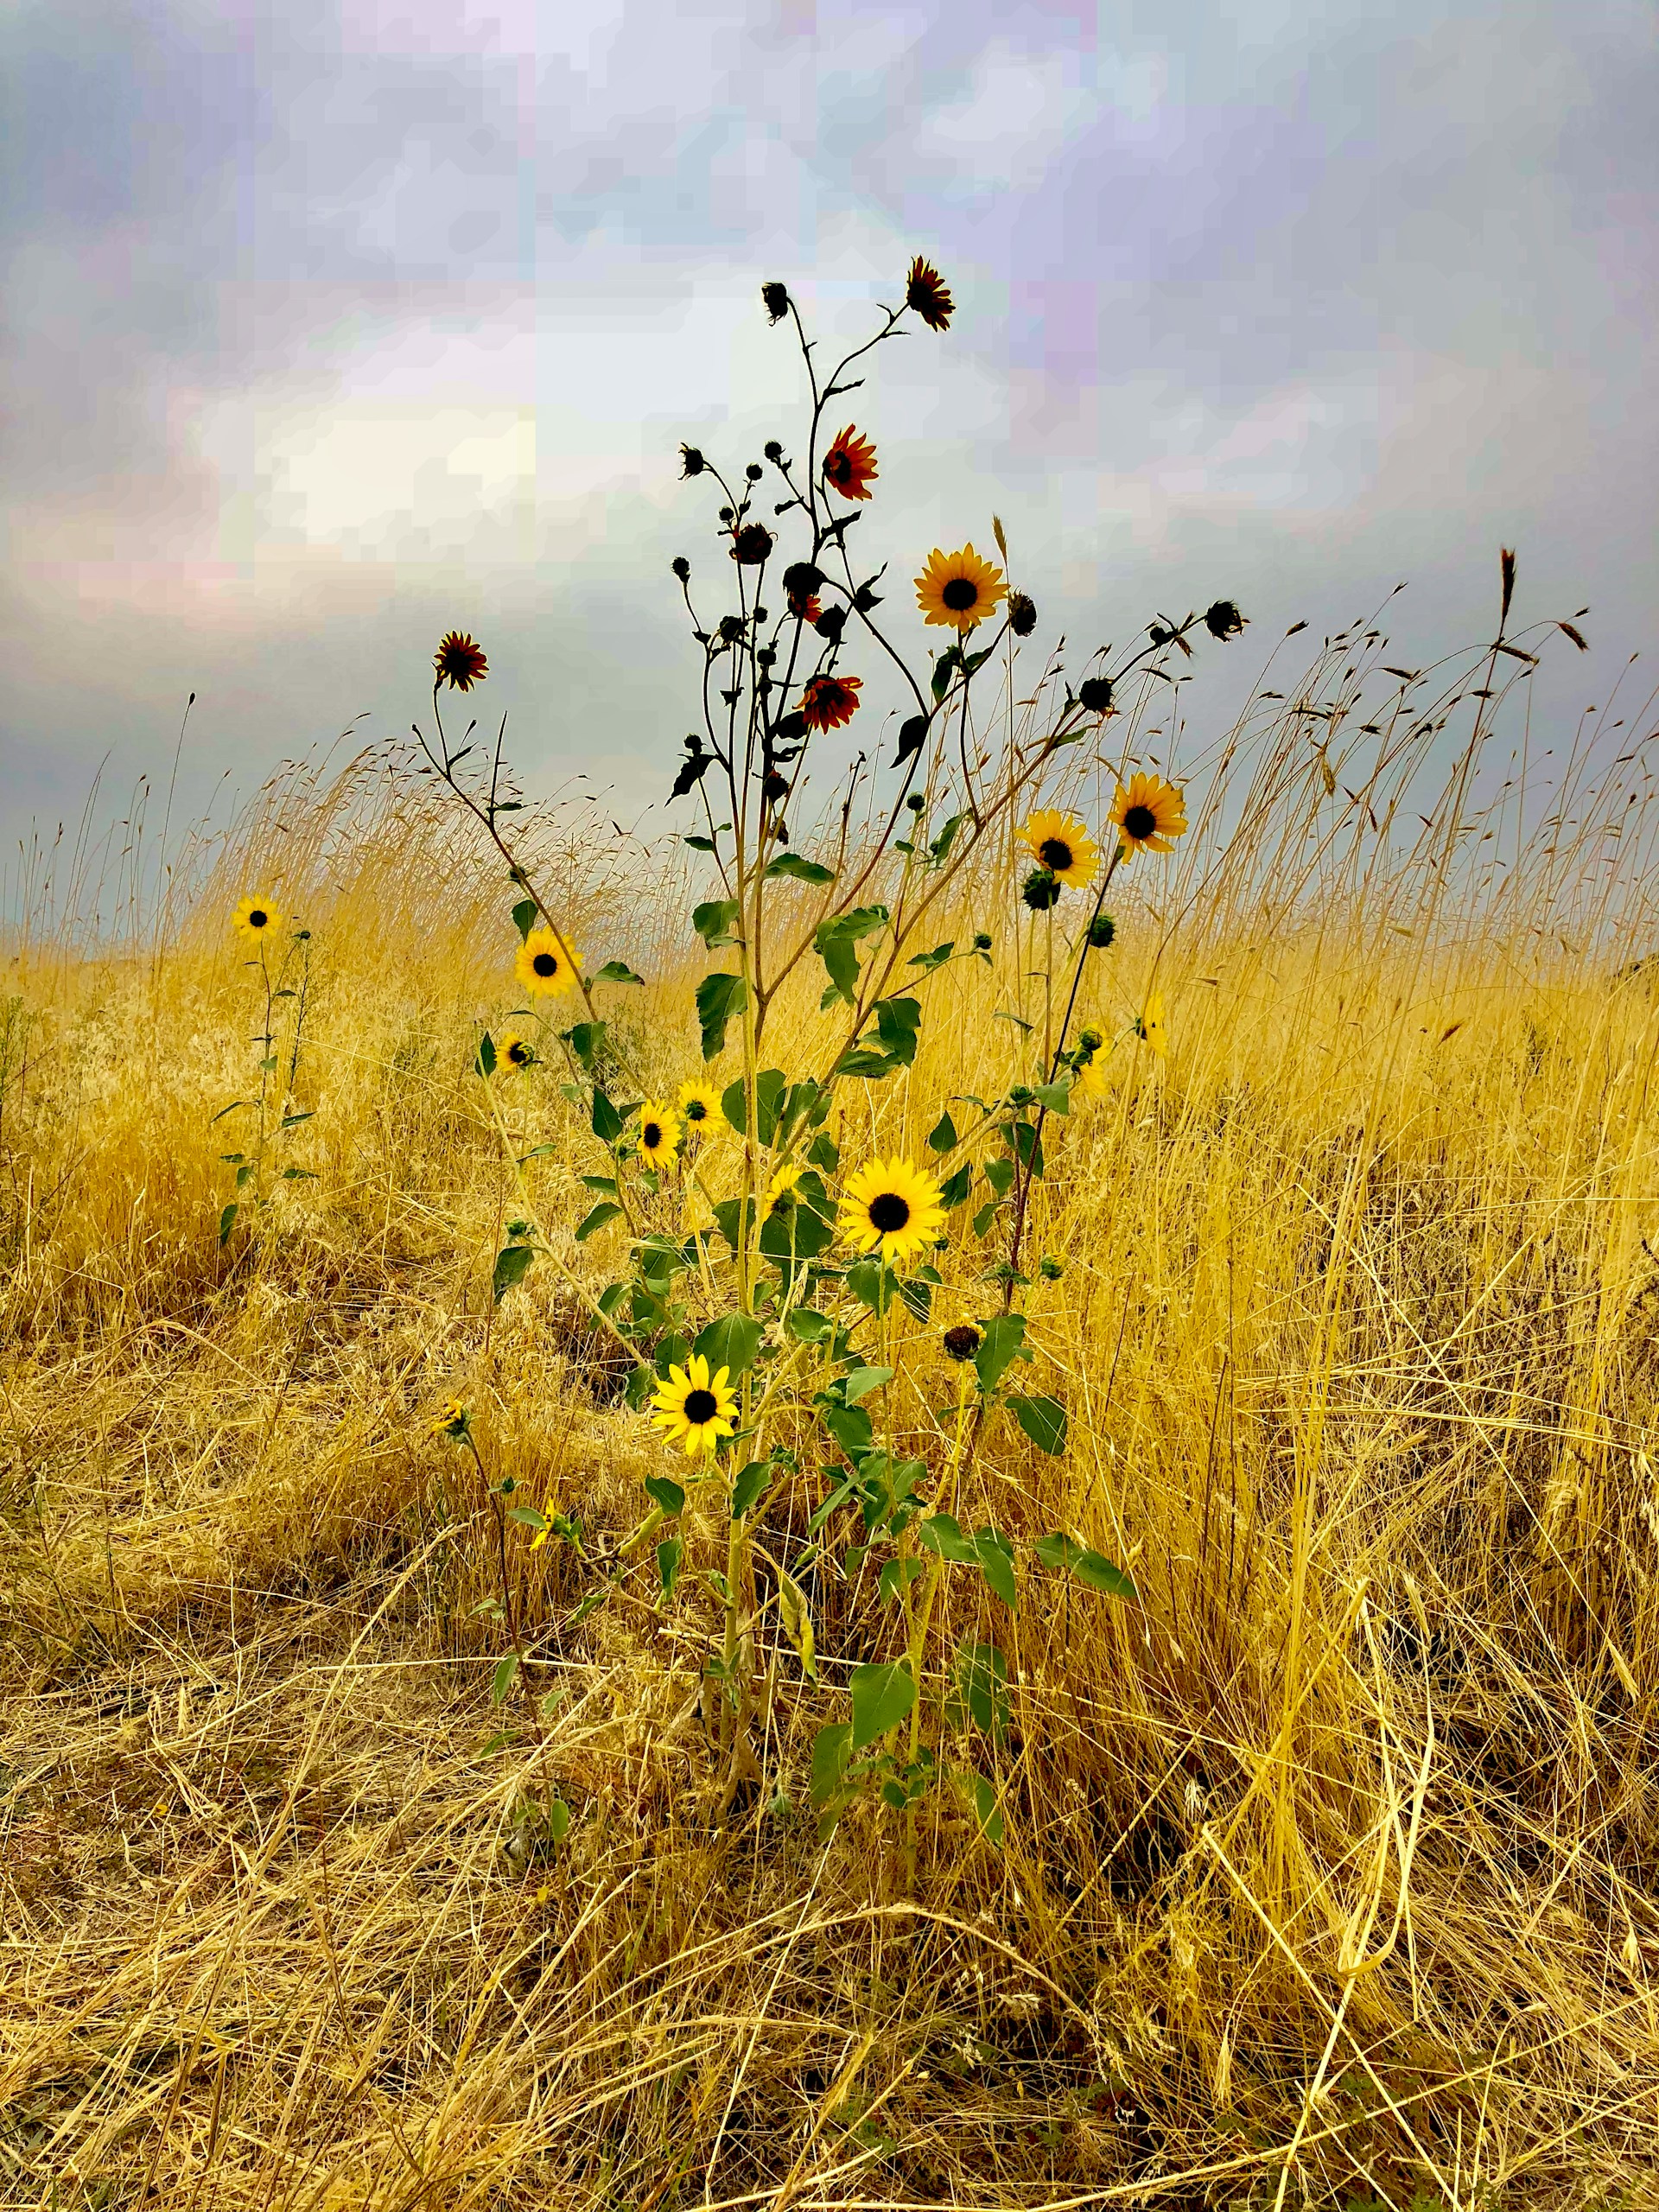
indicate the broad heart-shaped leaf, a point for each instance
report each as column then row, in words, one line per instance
column 639, row 1386
column 719, row 997
column 1043, row 1421
column 512, row 1266
column 851, row 1427
column 838, row 940
column 596, row 1217
column 872, row 1284
column 944, row 669
column 1062, row 1552
column 882, row 1697
column 523, row 915
column 770, row 1086
column 899, row 1023
column 927, row 962
column 995, row 1557
column 731, row 1342
column 713, row 921
column 747, row 1484
column 986, row 1811
column 728, row 1221
column 663, row 1491
column 669, row 1553
column 804, row 871
column 1057, row 1096
column 982, row 1680
column 956, row 1186
column 228, row 1223
column 941, row 1533
column 607, row 1121
column 804, row 1230
column 616, row 971
column 584, row 1039
column 832, row 1749
column 862, row 1380
column 807, row 1324
column 1002, row 1341
column 942, row 1136
column 485, row 1063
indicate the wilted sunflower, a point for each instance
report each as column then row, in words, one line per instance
column 827, row 702
column 849, row 465
column 698, row 1103
column 515, row 1052
column 1150, row 813
column 659, row 1134
column 459, row 663
column 958, row 590
column 924, row 291
column 545, row 962
column 694, row 1408
column 1150, row 1026
column 256, row 919
column 1062, row 844
column 891, row 1206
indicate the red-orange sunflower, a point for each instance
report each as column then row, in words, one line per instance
column 924, row 291
column 459, row 663
column 829, row 700
column 805, row 609
column 849, row 465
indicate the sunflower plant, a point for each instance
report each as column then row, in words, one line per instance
column 786, row 1328
column 279, row 953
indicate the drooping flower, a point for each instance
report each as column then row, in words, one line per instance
column 659, row 1134
column 1151, row 1025
column 695, row 1408
column 459, row 663
column 924, row 291
column 1150, row 813
column 753, row 544
column 1022, row 613
column 256, row 919
column 1062, row 844
column 958, row 590
column 452, row 1420
column 516, row 1052
column 849, row 465
column 827, row 702
column 699, row 1104
column 891, row 1207
column 545, row 962
column 1223, row 620
column 782, row 1185
column 1095, row 695
column 774, row 298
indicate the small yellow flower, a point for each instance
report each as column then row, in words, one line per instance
column 545, row 962
column 659, row 1134
column 1060, row 843
column 958, row 590
column 256, row 919
column 694, row 1408
column 699, row 1106
column 782, row 1183
column 891, row 1207
column 1150, row 1026
column 516, row 1052
column 1150, row 813
column 452, row 1418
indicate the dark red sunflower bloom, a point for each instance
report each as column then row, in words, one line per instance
column 849, row 465
column 829, row 700
column 804, row 610
column 924, row 291
column 459, row 663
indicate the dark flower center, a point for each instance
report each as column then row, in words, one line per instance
column 960, row 593
column 838, row 465
column 1139, row 822
column 258, row 918
column 889, row 1213
column 700, row 1406
column 547, row 963
column 696, row 1111
column 962, row 1341
column 652, row 1135
column 518, row 1055
column 1055, row 854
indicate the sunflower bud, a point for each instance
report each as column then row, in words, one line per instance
column 1021, row 1095
column 981, row 940
column 1224, row 620
column 1049, row 1268
column 1159, row 634
column 1090, row 1042
column 691, row 461
column 753, row 544
column 681, row 568
column 772, row 450
column 1101, row 931
column 801, row 579
column 1040, row 890
column 774, row 297
column 962, row 1342
column 754, row 472
column 831, row 623
column 1095, row 695
column 916, row 803
column 731, row 628
column 1022, row 614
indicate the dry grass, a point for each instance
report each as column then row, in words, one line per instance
column 1328, row 1876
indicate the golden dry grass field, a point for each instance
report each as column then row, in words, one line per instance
column 1326, row 1872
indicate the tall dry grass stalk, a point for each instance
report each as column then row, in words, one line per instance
column 1328, row 1873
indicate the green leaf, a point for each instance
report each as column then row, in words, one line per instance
column 804, row 871
column 1064, row 1552
column 882, row 1697
column 942, row 1137
column 927, row 962
column 1000, row 1174
column 501, row 1681
column 804, row 1230
column 982, row 1684
column 836, row 942
column 832, row 1749
column 512, row 1266
column 558, row 1822
column 663, row 1491
column 1057, row 1096
column 862, row 1380
column 732, row 1342
column 747, row 1484
column 669, row 1553
column 956, row 1187
column 299, row 1175
column 226, row 1223
column 807, row 1324
column 640, row 1384
column 871, row 1284
column 293, row 1121
column 1001, row 1343
column 720, row 996
column 797, row 1624
column 616, row 971
column 607, row 1124
column 524, row 914
column 596, row 1217
column 940, row 848
column 713, row 921
column 995, row 1556
column 1022, row 1139
column 942, row 1535
column 895, row 1578
column 1043, row 1421
column 851, row 1427
column 899, row 1023
column 727, row 1213
column 770, row 1086
column 484, row 1064
column 944, row 669
column 584, row 1039
column 605, row 1183
column 824, row 1153
column 987, row 1812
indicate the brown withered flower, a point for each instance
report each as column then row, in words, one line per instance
column 1224, row 620
column 753, row 544
column 774, row 298
column 1022, row 614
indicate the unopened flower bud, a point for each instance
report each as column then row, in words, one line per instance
column 1021, row 1095
column 1049, row 1268
column 754, row 472
column 1101, row 931
column 981, row 940
column 916, row 803
column 753, row 544
column 681, row 568
column 1091, row 1040
column 1224, row 620
column 772, row 450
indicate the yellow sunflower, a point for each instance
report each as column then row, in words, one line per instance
column 892, row 1207
column 1150, row 1025
column 784, row 1180
column 452, row 1418
column 1060, row 843
column 699, row 1106
column 659, row 1134
column 515, row 1052
column 694, row 1408
column 546, row 963
column 958, row 590
column 1150, row 813
column 256, row 919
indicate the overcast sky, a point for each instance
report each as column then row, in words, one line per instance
column 329, row 325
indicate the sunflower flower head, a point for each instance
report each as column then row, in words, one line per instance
column 515, row 1052
column 659, row 1134
column 1151, row 1025
column 1062, row 844
column 780, row 1190
column 698, row 1104
column 963, row 1340
column 849, row 465
column 827, row 702
column 545, row 963
column 890, row 1207
column 1040, row 890
column 1150, row 813
column 459, row 663
column 255, row 921
column 924, row 291
column 452, row 1420
column 958, row 590
column 695, row 1408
